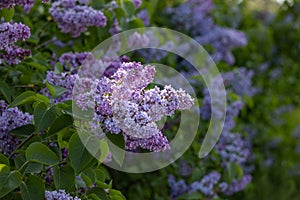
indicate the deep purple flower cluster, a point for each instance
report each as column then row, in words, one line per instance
column 240, row 81
column 59, row 195
column 10, row 33
column 74, row 16
column 11, row 118
column 194, row 16
column 12, row 3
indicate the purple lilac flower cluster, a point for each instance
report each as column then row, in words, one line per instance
column 194, row 16
column 11, row 118
column 63, row 80
column 71, row 61
column 10, row 33
column 137, row 3
column 125, row 106
column 240, row 81
column 61, row 195
column 209, row 186
column 74, row 16
column 12, row 3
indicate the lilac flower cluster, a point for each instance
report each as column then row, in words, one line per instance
column 137, row 3
column 10, row 33
column 74, row 16
column 11, row 118
column 206, row 185
column 144, row 16
column 59, row 195
column 240, row 81
column 232, row 148
column 194, row 16
column 71, row 61
column 178, row 188
column 124, row 106
column 11, row 3
column 63, row 80
column 210, row 186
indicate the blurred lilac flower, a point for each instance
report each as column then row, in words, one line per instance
column 74, row 16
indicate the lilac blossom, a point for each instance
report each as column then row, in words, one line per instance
column 11, row 118
column 194, row 16
column 178, row 188
column 137, row 3
column 231, row 147
column 115, row 28
column 240, row 81
column 206, row 185
column 74, row 16
column 10, row 33
column 238, row 185
column 73, row 60
column 137, row 40
column 123, row 105
column 59, row 195
column 144, row 16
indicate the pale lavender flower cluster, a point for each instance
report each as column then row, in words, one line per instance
column 59, row 195
column 10, row 33
column 115, row 28
column 240, row 81
column 194, row 16
column 123, row 105
column 74, row 16
column 11, row 118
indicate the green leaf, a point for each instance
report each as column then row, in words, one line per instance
column 38, row 152
column 60, row 123
column 10, row 182
column 55, row 91
column 234, row 171
column 29, row 167
column 64, row 177
column 99, row 192
column 24, row 98
column 4, row 168
column 33, row 188
column 128, row 7
column 117, row 153
column 7, row 14
column 116, row 194
column 25, row 130
column 42, row 98
column 104, row 150
column 79, row 156
column 87, row 180
column 4, row 89
column 44, row 116
column 4, row 160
